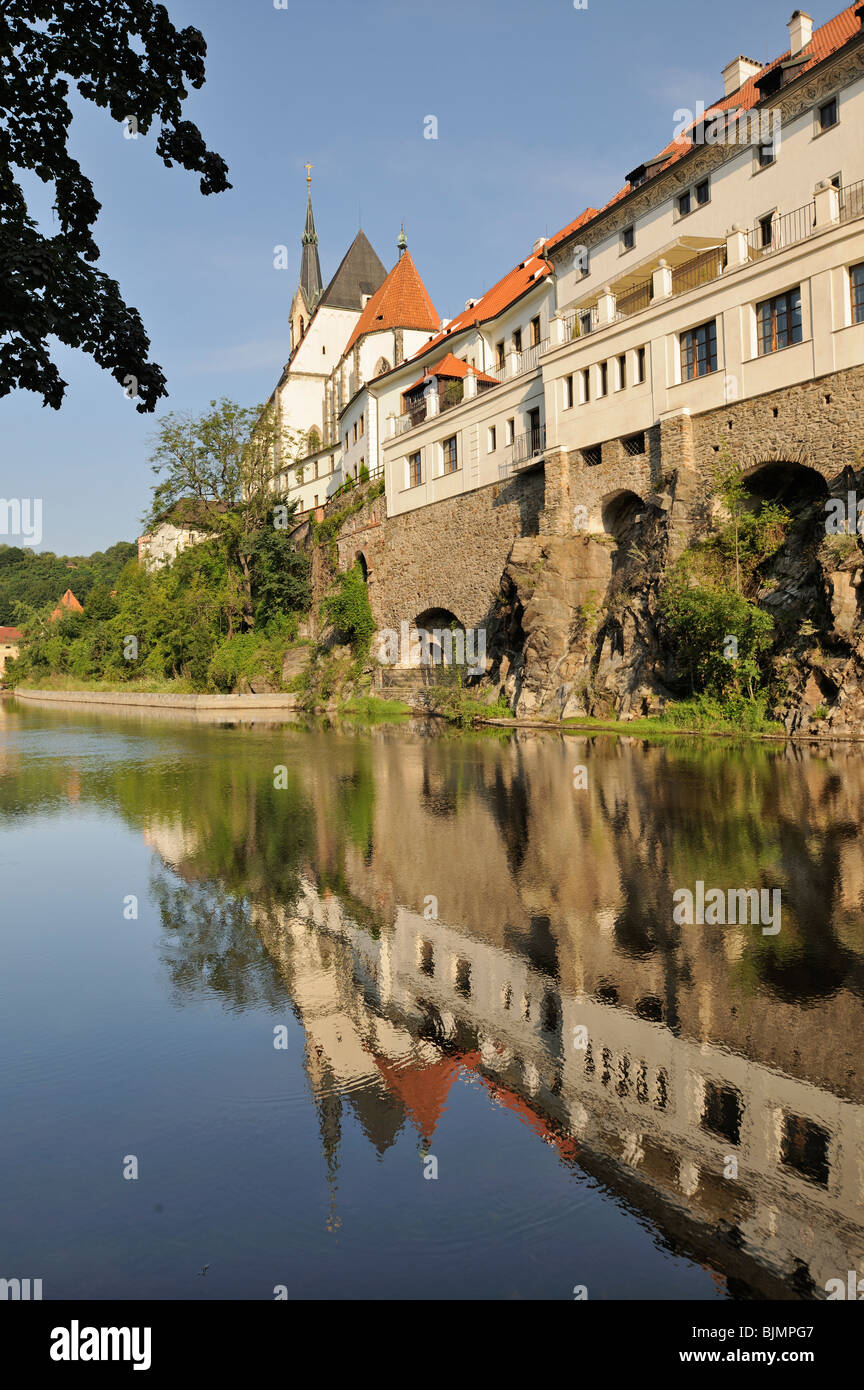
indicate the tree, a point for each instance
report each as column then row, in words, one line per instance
column 229, row 465
column 124, row 55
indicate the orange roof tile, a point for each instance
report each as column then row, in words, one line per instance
column 401, row 302
column 423, row 1089
column 10, row 634
column 450, row 366
column 68, row 601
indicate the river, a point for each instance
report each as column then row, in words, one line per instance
column 403, row 1013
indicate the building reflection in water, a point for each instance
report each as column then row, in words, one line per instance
column 459, row 907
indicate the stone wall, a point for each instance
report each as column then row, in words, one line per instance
column 450, row 555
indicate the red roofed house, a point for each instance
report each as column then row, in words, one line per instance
column 10, row 641
column 718, row 296
column 67, row 604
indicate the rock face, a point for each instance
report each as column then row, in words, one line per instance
column 574, row 631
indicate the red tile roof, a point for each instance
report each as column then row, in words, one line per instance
column 827, row 39
column 450, row 366
column 401, row 302
column 10, row 634
column 68, row 601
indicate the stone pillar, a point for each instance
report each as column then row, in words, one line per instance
column 662, row 282
column 677, row 455
column 513, row 361
column 556, row 518
column 470, row 389
column 431, row 398
column 827, row 200
column 737, row 248
column 560, row 331
column 606, row 306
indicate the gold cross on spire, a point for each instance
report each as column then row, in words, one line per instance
column 309, row 168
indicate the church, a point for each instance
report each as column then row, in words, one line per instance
column 343, row 335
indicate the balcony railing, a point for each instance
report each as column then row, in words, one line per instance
column 527, row 446
column 852, row 201
column 700, row 271
column 769, row 237
column 530, row 358
column 637, row 298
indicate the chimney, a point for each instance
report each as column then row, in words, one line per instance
column 800, row 32
column 739, row 71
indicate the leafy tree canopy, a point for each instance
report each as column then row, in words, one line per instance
column 127, row 56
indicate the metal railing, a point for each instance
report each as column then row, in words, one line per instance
column 639, row 297
column 704, row 268
column 448, row 398
column 528, row 446
column 852, row 201
column 578, row 323
column 767, row 238
column 530, row 357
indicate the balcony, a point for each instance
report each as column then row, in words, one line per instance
column 526, row 450
column 775, row 233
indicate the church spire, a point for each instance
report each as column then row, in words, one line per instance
column 310, row 266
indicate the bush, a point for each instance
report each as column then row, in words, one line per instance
column 349, row 611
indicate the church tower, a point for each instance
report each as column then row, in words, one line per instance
column 309, row 287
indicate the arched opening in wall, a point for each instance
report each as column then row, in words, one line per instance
column 788, row 580
column 360, row 559
column 622, row 514
column 625, row 518
column 443, row 635
column 792, row 485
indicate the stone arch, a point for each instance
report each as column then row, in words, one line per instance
column 622, row 513
column 360, row 559
column 795, row 486
column 434, row 621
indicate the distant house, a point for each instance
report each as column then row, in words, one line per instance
column 175, row 530
column 10, row 639
column 67, row 604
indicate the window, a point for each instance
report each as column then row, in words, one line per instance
column 722, row 1112
column 355, row 431
column 509, row 430
column 568, row 392
column 499, row 354
column 602, row 379
column 640, row 365
column 535, row 331
column 829, row 114
column 362, row 423
column 517, row 339
column 622, row 371
column 316, row 499
column 586, row 385
column 703, row 193
column 427, row 958
column 634, row 444
column 415, row 472
column 778, row 321
column 628, row 238
column 593, row 456
column 766, row 229
column 683, row 203
column 491, row 440
column 767, row 154
column 463, row 978
column 856, row 284
column 699, row 351
column 804, row 1148
column 448, row 454
column 315, row 469
column 332, row 462
column 346, row 442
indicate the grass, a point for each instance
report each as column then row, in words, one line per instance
column 374, row 711
column 147, row 686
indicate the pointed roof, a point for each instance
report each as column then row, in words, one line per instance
column 401, row 302
column 450, row 366
column 310, row 266
column 360, row 272
column 68, row 601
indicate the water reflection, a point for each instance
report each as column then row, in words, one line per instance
column 435, row 907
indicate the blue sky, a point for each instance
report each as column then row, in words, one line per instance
column 542, row 109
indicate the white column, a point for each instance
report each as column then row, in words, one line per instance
column 827, row 200
column 662, row 281
column 606, row 306
column 737, row 248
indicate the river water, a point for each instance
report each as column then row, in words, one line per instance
column 398, row 1013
